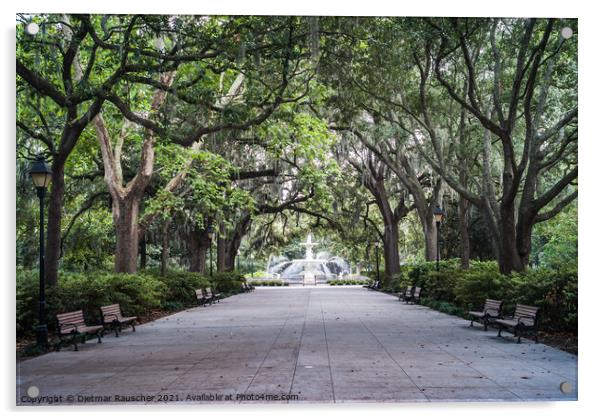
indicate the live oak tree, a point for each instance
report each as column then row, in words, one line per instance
column 527, row 104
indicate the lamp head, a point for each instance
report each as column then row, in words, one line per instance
column 40, row 172
column 439, row 214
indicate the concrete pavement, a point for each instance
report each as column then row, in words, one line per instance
column 294, row 345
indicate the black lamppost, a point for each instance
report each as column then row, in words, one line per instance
column 439, row 215
column 210, row 235
column 238, row 260
column 377, row 258
column 40, row 175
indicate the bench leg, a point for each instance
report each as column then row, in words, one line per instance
column 98, row 334
column 471, row 321
column 499, row 333
column 74, row 341
column 133, row 326
column 485, row 324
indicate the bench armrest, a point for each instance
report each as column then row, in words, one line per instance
column 110, row 318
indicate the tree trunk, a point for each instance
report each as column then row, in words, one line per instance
column 524, row 235
column 143, row 251
column 430, row 238
column 464, row 234
column 221, row 249
column 509, row 260
column 197, row 243
column 125, row 217
column 233, row 243
column 55, row 214
column 391, row 250
column 390, row 236
column 230, row 264
column 165, row 247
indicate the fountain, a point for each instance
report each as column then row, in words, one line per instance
column 311, row 270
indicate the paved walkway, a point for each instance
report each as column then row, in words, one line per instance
column 322, row 344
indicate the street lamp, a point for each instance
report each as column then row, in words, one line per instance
column 210, row 236
column 238, row 260
column 377, row 258
column 40, row 175
column 439, row 215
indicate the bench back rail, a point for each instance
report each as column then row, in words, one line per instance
column 111, row 312
column 70, row 321
column 492, row 307
column 526, row 314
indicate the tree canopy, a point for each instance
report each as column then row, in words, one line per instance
column 166, row 134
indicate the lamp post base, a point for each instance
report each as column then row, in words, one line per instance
column 42, row 336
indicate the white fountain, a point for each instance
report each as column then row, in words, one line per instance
column 311, row 270
column 309, row 276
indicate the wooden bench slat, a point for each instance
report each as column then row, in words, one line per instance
column 73, row 324
column 523, row 320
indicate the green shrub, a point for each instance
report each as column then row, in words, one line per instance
column 481, row 281
column 136, row 293
column 445, row 307
column 227, row 282
column 27, row 300
column 554, row 291
column 180, row 287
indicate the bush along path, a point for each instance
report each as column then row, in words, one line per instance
column 146, row 294
column 455, row 291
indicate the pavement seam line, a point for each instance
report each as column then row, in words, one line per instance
column 290, row 392
column 269, row 350
column 334, row 398
column 391, row 357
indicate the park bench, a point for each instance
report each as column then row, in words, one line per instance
column 369, row 285
column 491, row 310
column 414, row 296
column 249, row 287
column 201, row 298
column 407, row 294
column 523, row 321
column 375, row 285
column 112, row 317
column 73, row 325
column 211, row 295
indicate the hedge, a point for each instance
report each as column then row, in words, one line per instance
column 138, row 293
column 343, row 282
column 455, row 290
column 275, row 283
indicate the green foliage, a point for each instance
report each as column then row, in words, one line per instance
column 227, row 282
column 445, row 307
column 555, row 241
column 179, row 287
column 483, row 280
column 346, row 282
column 137, row 294
column 553, row 290
column 276, row 283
